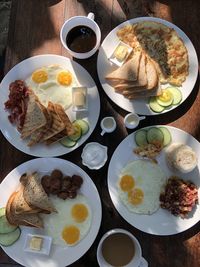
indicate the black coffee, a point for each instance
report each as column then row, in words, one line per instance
column 81, row 39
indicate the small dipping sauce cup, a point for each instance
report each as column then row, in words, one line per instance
column 119, row 247
column 108, row 125
column 81, row 36
column 132, row 120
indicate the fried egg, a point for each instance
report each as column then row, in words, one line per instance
column 139, row 186
column 71, row 223
column 53, row 83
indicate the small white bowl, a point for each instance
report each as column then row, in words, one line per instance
column 114, row 60
column 46, row 244
column 94, row 155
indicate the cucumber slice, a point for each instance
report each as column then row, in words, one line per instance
column 2, row 211
column 167, row 135
column 153, row 104
column 67, row 142
column 84, row 126
column 141, row 138
column 177, row 95
column 5, row 226
column 10, row 238
column 155, row 136
column 165, row 99
column 78, row 132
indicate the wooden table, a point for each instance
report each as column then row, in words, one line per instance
column 34, row 29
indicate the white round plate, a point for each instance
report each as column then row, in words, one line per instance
column 162, row 222
column 141, row 106
column 59, row 256
column 24, row 70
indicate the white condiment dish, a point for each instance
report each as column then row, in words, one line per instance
column 137, row 260
column 94, row 155
column 46, row 244
column 114, row 59
column 132, row 120
column 79, row 98
column 108, row 125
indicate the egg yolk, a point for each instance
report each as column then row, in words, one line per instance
column 64, row 78
column 136, row 196
column 127, row 182
column 165, row 96
column 71, row 234
column 39, row 76
column 79, row 212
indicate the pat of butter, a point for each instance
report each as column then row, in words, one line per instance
column 36, row 243
column 79, row 99
column 121, row 52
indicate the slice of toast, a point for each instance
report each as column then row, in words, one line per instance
column 69, row 129
column 32, row 220
column 128, row 71
column 35, row 116
column 34, row 193
column 57, row 124
column 152, row 76
column 144, row 94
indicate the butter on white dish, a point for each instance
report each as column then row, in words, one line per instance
column 181, row 157
column 79, row 98
column 120, row 53
column 40, row 244
column 94, row 155
column 132, row 120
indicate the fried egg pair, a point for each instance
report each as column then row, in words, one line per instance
column 139, row 186
column 53, row 83
column 71, row 223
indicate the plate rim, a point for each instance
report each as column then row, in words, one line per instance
column 98, row 200
column 167, row 23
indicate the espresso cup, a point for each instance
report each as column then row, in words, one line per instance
column 80, row 21
column 108, row 125
column 132, row 120
column 136, row 261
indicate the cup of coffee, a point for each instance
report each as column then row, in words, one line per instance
column 119, row 247
column 81, row 36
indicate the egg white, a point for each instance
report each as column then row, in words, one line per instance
column 55, row 223
column 149, row 177
column 51, row 90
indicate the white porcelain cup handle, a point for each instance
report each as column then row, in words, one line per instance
column 142, row 118
column 90, row 16
column 103, row 132
column 143, row 263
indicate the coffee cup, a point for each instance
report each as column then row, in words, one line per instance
column 108, row 125
column 132, row 120
column 119, row 247
column 81, row 36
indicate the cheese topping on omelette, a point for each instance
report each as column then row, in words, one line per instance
column 163, row 45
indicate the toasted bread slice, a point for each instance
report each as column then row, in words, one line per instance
column 57, row 124
column 35, row 116
column 140, row 83
column 38, row 134
column 128, row 71
column 69, row 129
column 21, row 206
column 34, row 193
column 152, row 76
column 26, row 219
column 144, row 94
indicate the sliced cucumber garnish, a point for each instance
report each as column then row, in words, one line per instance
column 165, row 99
column 67, row 142
column 84, row 126
column 167, row 135
column 10, row 238
column 2, row 211
column 177, row 95
column 77, row 132
column 141, row 138
column 153, row 104
column 5, row 226
column 155, row 136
